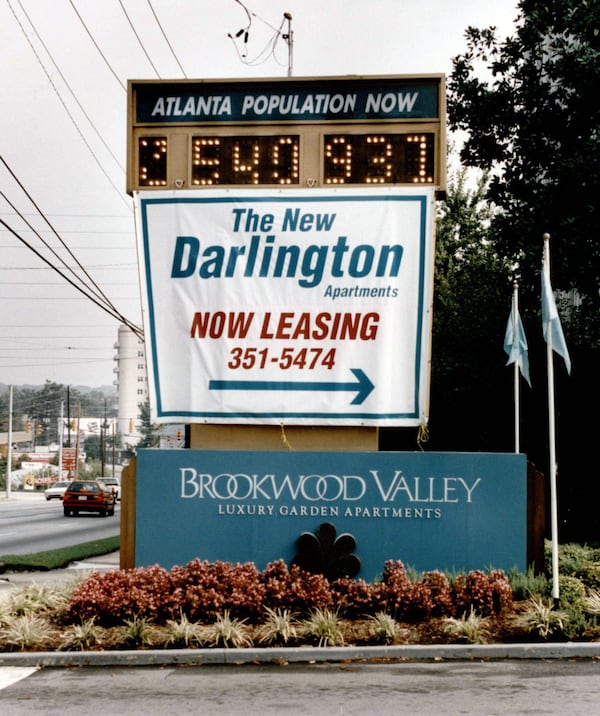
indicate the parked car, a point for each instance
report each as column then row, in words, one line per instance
column 56, row 490
column 88, row 496
column 113, row 484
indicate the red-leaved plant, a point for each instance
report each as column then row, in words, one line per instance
column 202, row 590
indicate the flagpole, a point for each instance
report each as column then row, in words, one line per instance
column 551, row 440
column 515, row 314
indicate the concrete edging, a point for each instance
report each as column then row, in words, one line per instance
column 282, row 655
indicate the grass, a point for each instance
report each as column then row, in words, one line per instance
column 58, row 558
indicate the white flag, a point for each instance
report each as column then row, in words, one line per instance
column 550, row 317
column 515, row 343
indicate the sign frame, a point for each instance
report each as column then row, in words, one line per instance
column 163, row 246
column 310, row 107
column 446, row 511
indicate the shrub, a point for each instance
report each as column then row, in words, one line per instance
column 27, row 631
column 227, row 632
column 440, row 591
column 145, row 592
column 486, row 594
column 138, row 631
column 383, row 628
column 591, row 602
column 279, row 628
column 36, row 598
column 525, row 584
column 571, row 591
column 471, row 628
column 81, row 636
column 295, row 589
column 541, row 619
column 183, row 633
column 323, row 627
column 353, row 598
column 395, row 591
column 203, row 590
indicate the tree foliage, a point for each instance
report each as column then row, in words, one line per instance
column 471, row 303
column 41, row 406
column 530, row 107
column 147, row 429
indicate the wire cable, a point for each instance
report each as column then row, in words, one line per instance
column 137, row 37
column 67, row 109
column 115, row 314
column 107, row 63
column 167, row 39
column 64, row 79
column 268, row 50
column 100, row 294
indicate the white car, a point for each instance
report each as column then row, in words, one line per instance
column 113, row 485
column 57, row 490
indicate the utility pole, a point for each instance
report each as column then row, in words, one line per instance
column 69, row 415
column 9, row 445
column 103, row 440
column 289, row 38
column 61, row 430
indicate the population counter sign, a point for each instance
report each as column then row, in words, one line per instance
column 297, row 306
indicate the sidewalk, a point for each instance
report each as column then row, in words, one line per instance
column 56, row 577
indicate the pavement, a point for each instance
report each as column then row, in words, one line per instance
column 56, row 577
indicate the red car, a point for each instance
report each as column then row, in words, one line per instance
column 88, row 496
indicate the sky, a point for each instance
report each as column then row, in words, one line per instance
column 63, row 122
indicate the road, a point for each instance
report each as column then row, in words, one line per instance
column 29, row 523
column 498, row 688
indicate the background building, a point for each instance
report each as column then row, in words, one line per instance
column 131, row 383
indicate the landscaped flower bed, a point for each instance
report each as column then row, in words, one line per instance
column 235, row 605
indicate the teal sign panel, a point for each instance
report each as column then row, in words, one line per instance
column 289, row 101
column 447, row 511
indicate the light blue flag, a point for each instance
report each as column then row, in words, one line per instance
column 550, row 317
column 515, row 343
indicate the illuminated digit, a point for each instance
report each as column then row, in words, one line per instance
column 206, row 160
column 152, row 161
column 338, row 160
column 379, row 160
column 285, row 159
column 245, row 160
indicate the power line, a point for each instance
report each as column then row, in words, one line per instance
column 107, row 63
column 114, row 314
column 167, row 39
column 100, row 294
column 77, row 128
column 68, row 86
column 137, row 37
column 100, row 298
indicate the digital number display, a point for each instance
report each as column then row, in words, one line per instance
column 152, row 161
column 246, row 160
column 378, row 159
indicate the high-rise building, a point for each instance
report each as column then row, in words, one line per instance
column 131, row 382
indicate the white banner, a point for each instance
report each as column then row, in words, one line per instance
column 294, row 306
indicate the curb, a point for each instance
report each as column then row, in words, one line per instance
column 282, row 655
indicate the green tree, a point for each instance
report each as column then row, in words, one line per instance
column 530, row 107
column 469, row 409
column 530, row 111
column 91, row 446
column 148, row 431
column 470, row 404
